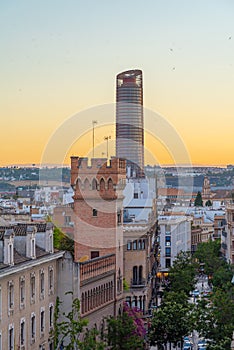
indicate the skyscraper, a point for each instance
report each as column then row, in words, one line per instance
column 129, row 121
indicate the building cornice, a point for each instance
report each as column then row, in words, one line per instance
column 10, row 270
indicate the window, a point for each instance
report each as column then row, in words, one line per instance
column 94, row 184
column 33, row 327
column 102, row 185
column 168, row 263
column 42, row 320
column 168, row 241
column 0, row 341
column 94, row 254
column 22, row 331
column 67, row 220
column 129, row 245
column 32, row 287
column 110, row 184
column 42, row 283
column 135, row 195
column 51, row 280
column 135, row 274
column 143, row 244
column 11, row 338
column 22, row 291
column 168, row 252
column 51, row 315
column 86, row 184
column 139, row 244
column 94, row 212
column 10, row 295
column 134, row 245
column 168, row 229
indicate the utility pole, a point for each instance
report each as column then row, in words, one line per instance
column 94, row 122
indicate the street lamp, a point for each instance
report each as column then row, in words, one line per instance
column 94, row 122
column 106, row 138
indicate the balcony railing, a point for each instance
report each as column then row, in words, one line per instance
column 136, row 283
column 224, row 246
column 224, row 233
column 97, row 266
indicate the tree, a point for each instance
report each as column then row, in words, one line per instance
column 215, row 320
column 209, row 254
column 62, row 241
column 182, row 274
column 126, row 331
column 198, row 200
column 70, row 328
column 91, row 340
column 208, row 203
column 170, row 324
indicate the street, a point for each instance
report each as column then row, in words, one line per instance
column 202, row 286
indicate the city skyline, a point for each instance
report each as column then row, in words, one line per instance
column 61, row 59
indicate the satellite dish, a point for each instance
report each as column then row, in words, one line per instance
column 84, row 258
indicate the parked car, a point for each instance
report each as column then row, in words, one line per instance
column 201, row 345
column 195, row 293
column 187, row 345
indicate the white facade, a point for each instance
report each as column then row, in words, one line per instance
column 140, row 199
column 175, row 236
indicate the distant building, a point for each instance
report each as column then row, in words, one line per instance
column 63, row 217
column 206, row 192
column 174, row 236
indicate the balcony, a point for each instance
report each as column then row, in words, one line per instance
column 96, row 267
column 224, row 233
column 140, row 283
column 224, row 246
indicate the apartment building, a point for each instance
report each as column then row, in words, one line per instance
column 28, row 285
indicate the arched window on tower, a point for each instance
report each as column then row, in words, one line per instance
column 110, row 184
column 79, row 185
column 102, row 185
column 86, row 184
column 94, row 184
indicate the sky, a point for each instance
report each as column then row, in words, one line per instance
column 60, row 58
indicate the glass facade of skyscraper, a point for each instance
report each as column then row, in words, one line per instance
column 129, row 121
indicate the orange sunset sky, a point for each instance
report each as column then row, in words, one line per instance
column 59, row 59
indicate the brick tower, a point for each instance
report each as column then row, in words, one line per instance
column 98, row 210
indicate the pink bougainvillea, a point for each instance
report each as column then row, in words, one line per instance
column 137, row 316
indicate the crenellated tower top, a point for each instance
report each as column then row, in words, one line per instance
column 99, row 178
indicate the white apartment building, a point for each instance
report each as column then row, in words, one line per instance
column 174, row 237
